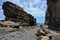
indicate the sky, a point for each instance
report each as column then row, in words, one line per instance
column 36, row 8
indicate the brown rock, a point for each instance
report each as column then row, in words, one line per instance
column 15, row 13
column 53, row 14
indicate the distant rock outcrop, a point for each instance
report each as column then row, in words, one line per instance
column 15, row 13
column 53, row 13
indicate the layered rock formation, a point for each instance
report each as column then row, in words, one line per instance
column 53, row 13
column 15, row 13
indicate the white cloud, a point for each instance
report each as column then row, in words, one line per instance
column 37, row 1
column 36, row 11
column 0, row 7
column 1, row 11
column 14, row 1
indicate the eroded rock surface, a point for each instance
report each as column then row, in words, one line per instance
column 15, row 13
column 53, row 14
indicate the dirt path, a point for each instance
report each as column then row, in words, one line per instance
column 23, row 34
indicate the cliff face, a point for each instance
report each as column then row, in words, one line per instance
column 53, row 13
column 15, row 13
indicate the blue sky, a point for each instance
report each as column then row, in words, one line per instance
column 37, row 8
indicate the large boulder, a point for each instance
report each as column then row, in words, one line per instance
column 15, row 13
column 53, row 14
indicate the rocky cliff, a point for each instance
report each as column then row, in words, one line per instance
column 15, row 13
column 53, row 13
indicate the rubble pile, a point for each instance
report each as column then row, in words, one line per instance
column 45, row 34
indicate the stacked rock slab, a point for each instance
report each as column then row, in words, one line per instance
column 15, row 13
column 53, row 13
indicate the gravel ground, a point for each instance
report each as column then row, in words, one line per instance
column 23, row 33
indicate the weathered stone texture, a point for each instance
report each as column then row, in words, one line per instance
column 53, row 13
column 15, row 13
